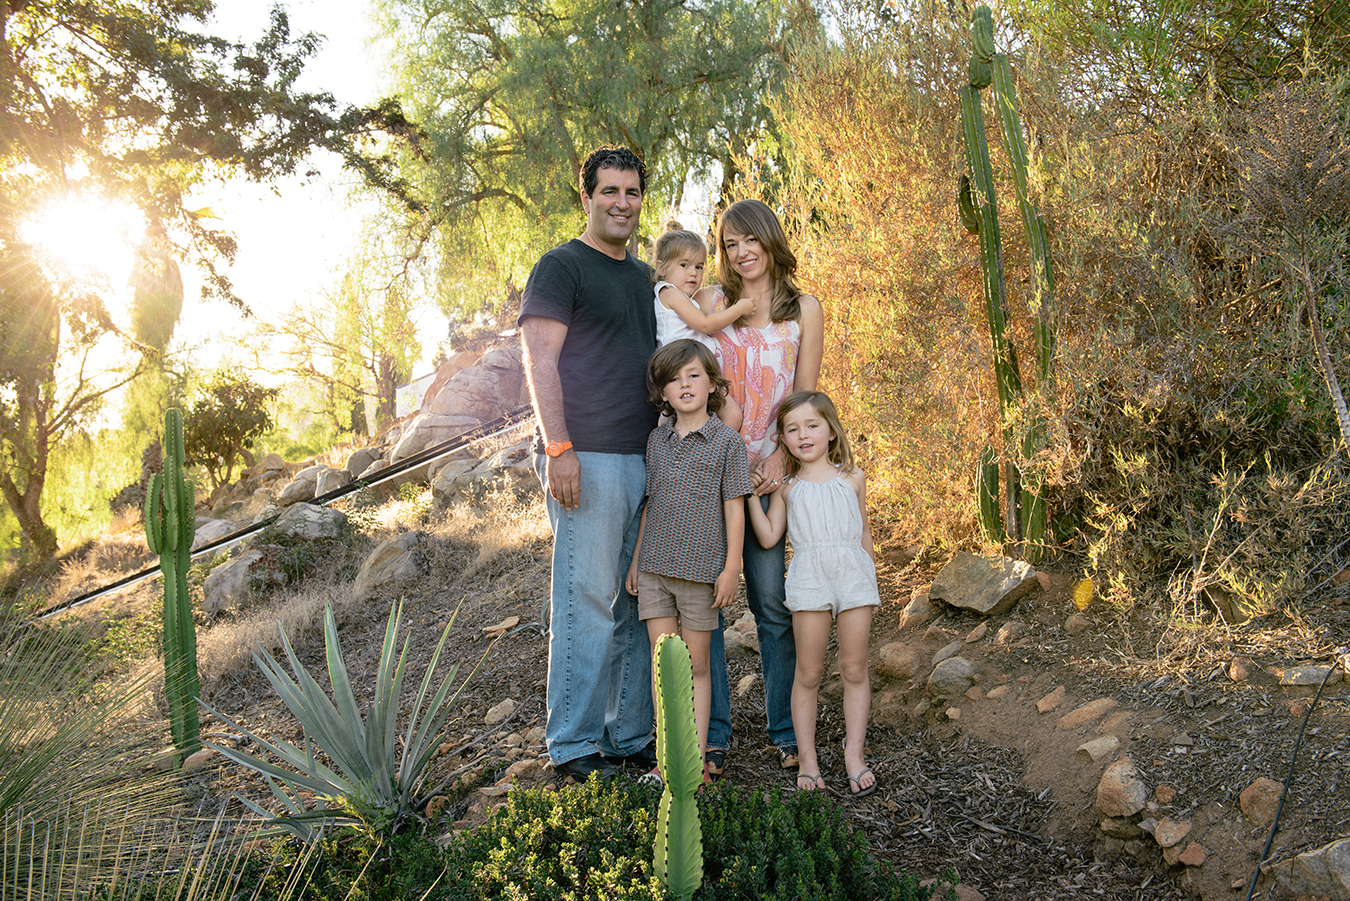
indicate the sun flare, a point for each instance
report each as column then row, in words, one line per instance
column 87, row 237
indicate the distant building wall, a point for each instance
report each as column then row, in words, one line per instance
column 408, row 398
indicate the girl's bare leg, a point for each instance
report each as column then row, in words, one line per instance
column 811, row 629
column 698, row 643
column 854, row 627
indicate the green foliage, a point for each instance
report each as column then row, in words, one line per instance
column 592, row 842
column 373, row 783
column 170, row 524
column 513, row 96
column 678, row 848
column 227, row 417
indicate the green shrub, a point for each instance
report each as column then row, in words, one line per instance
column 594, row 842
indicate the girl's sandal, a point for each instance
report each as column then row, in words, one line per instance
column 857, row 791
column 813, row 783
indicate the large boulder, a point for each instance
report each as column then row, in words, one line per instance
column 330, row 479
column 1321, row 873
column 209, row 530
column 451, row 480
column 509, row 469
column 428, row 429
column 311, row 521
column 486, row 390
column 983, row 585
column 296, row 492
column 395, row 562
column 360, row 461
column 951, row 678
column 227, row 585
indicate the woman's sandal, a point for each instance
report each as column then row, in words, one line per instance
column 814, row 783
column 787, row 756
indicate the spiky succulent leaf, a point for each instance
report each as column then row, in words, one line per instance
column 678, row 848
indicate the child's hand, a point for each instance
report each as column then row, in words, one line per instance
column 724, row 589
column 745, row 306
column 630, row 583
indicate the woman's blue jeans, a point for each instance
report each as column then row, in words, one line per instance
column 765, row 572
column 599, row 657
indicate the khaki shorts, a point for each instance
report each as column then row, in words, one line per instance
column 692, row 602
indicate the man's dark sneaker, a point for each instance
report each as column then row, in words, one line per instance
column 643, row 760
column 580, row 768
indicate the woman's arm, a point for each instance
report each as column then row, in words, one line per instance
column 812, row 350
column 692, row 315
column 769, row 525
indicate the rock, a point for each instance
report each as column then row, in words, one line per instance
column 951, row 677
column 1008, row 632
column 951, row 649
column 360, row 461
column 1193, row 856
column 500, row 712
column 1052, row 700
column 1121, row 793
column 398, row 561
column 269, row 463
column 509, row 469
column 210, row 530
column 459, row 455
column 427, row 429
column 1323, row 872
column 1259, row 800
column 310, row 473
column 746, row 685
column 483, row 391
column 1169, row 832
column 197, row 760
column 953, row 713
column 331, row 480
column 897, row 660
column 296, row 492
column 1099, row 749
column 935, row 633
column 985, row 586
column 1165, row 794
column 1077, row 623
column 312, row 521
column 917, row 612
column 1085, row 714
column 741, row 638
column 1240, row 668
column 1000, row 691
column 1310, row 675
column 1120, row 827
column 974, row 694
column 226, row 586
column 977, row 633
column 452, row 479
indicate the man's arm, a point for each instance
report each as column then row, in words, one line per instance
column 542, row 339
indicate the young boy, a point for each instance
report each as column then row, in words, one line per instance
column 687, row 564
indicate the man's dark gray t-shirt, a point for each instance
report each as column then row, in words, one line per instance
column 606, row 305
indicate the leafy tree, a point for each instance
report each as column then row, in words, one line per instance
column 513, row 95
column 357, row 339
column 122, row 100
column 226, row 418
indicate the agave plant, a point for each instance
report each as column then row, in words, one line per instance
column 373, row 782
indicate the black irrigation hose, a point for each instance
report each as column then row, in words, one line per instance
column 1288, row 779
column 487, row 429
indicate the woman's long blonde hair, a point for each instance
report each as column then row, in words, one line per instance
column 754, row 217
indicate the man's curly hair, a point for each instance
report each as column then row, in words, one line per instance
column 611, row 156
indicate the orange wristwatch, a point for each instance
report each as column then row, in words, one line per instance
column 555, row 448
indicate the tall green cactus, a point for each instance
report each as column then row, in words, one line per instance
column 170, row 524
column 1024, row 512
column 678, row 850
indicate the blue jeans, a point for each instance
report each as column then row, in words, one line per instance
column 765, row 572
column 599, row 657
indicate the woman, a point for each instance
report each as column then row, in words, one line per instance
column 766, row 356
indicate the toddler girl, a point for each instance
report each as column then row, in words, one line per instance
column 678, row 261
column 832, row 576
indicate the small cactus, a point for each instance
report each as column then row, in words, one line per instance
column 678, row 849
column 170, row 524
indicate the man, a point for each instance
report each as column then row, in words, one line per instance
column 588, row 327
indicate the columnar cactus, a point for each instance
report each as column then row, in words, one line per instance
column 1024, row 512
column 170, row 524
column 678, row 850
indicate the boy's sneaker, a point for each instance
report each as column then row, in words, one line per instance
column 716, row 759
column 653, row 778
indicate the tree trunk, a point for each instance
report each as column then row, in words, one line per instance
column 1324, row 355
column 27, row 507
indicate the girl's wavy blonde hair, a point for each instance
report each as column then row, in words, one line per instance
column 840, row 454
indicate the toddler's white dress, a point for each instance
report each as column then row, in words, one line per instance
column 829, row 568
column 670, row 327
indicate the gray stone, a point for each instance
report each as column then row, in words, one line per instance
column 1310, row 675
column 330, row 480
column 399, row 560
column 483, row 391
column 1099, row 749
column 269, row 463
column 455, row 457
column 509, row 469
column 360, row 461
column 1323, row 872
column 897, row 660
column 1008, row 632
column 985, row 586
column 500, row 712
column 951, row 649
column 427, row 429
column 296, row 492
column 311, row 521
column 226, row 586
column 742, row 638
column 210, row 530
column 1121, row 827
column 311, row 473
column 452, row 479
column 951, row 678
column 917, row 612
column 1121, row 793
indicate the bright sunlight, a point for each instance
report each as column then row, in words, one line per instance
column 87, row 237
